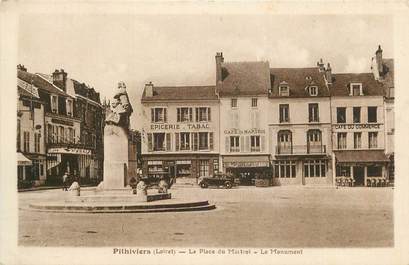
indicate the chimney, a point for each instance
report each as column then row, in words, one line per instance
column 21, row 67
column 219, row 61
column 60, row 79
column 321, row 65
column 328, row 74
column 149, row 90
column 379, row 60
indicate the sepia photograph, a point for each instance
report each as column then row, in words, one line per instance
column 204, row 134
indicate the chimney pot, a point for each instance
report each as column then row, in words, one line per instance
column 149, row 89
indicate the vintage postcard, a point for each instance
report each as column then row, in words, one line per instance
column 204, row 133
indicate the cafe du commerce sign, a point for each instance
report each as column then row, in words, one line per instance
column 187, row 126
column 358, row 126
column 73, row 151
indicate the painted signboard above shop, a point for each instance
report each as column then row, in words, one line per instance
column 183, row 126
column 357, row 126
column 74, row 151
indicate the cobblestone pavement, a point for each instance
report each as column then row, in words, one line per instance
column 245, row 217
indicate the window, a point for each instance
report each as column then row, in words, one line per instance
column 234, row 102
column 313, row 90
column 373, row 139
column 158, row 115
column 215, row 165
column 54, row 103
column 18, row 135
column 71, row 135
column 159, row 142
column 284, row 113
column 372, row 117
column 203, row 114
column 254, row 102
column 61, row 135
column 342, row 140
column 184, row 114
column 343, row 171
column 26, row 142
column 234, row 143
column 284, row 142
column 37, row 142
column 357, row 140
column 284, row 90
column 284, row 169
column 374, row 171
column 357, row 114
column 255, row 143
column 184, row 141
column 313, row 114
column 204, row 168
column 314, row 168
column 314, row 141
column 355, row 89
column 69, row 107
column 203, row 141
column 341, row 115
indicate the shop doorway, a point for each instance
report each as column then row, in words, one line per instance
column 359, row 176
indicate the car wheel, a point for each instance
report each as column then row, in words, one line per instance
column 203, row 185
column 228, row 185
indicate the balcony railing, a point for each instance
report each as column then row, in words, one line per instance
column 301, row 150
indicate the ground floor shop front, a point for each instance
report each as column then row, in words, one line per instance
column 184, row 168
column 31, row 169
column 247, row 168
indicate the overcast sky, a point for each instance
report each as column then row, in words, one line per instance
column 101, row 50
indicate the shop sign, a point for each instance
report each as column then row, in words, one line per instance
column 247, row 131
column 187, row 126
column 74, row 151
column 183, row 162
column 64, row 122
column 357, row 126
column 247, row 164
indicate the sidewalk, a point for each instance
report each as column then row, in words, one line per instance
column 50, row 188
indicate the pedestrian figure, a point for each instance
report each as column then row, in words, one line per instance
column 65, row 181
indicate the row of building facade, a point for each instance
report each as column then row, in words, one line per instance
column 59, row 129
column 292, row 125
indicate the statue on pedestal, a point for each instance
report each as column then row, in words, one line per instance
column 120, row 110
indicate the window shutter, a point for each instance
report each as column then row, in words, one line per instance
column 152, row 115
column 257, row 119
column 197, row 114
column 210, row 140
column 227, row 144
column 209, row 114
column 165, row 116
column 195, row 141
column 262, row 143
column 241, row 143
column 190, row 114
column 247, row 143
column 177, row 141
column 150, row 149
column 168, row 142
column 178, row 115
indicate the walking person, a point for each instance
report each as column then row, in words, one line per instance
column 65, row 182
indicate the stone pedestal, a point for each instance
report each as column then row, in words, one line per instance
column 115, row 157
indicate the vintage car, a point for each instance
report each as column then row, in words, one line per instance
column 218, row 180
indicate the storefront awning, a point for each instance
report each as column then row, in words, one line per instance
column 246, row 161
column 365, row 156
column 22, row 160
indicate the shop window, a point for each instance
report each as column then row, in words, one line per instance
column 284, row 112
column 313, row 113
column 314, row 168
column 313, row 90
column 343, row 171
column 372, row 114
column 234, row 102
column 357, row 140
column 35, row 170
column 203, row 168
column 374, row 171
column 284, row 169
column 255, row 143
column 342, row 140
column 357, row 114
column 158, row 115
column 215, row 166
column 184, row 167
column 234, row 144
column 341, row 115
column 203, row 114
column 26, row 139
column 184, row 114
column 254, row 102
column 18, row 134
column 37, row 137
column 373, row 139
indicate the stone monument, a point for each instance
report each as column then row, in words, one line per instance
column 116, row 140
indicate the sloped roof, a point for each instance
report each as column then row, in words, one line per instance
column 169, row 93
column 245, row 79
column 298, row 80
column 86, row 91
column 40, row 83
column 370, row 87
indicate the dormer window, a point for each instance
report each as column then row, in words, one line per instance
column 313, row 90
column 284, row 89
column 54, row 103
column 355, row 89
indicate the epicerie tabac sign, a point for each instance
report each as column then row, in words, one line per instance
column 357, row 126
column 187, row 126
